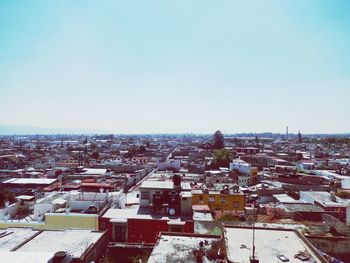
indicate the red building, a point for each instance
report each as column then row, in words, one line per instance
column 137, row 224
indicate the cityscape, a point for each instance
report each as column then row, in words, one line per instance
column 175, row 198
column 174, row 131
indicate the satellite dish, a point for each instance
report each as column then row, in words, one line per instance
column 336, row 227
column 172, row 211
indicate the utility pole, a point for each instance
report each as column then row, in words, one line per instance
column 253, row 259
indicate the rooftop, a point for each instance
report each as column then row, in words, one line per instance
column 75, row 242
column 44, row 181
column 25, row 257
column 173, row 248
column 12, row 237
column 269, row 245
column 165, row 185
column 137, row 212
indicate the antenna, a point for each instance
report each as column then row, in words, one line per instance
column 253, row 259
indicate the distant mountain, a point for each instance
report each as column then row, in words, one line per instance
column 28, row 130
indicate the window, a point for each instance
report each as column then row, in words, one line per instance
column 145, row 195
column 201, row 199
column 223, row 200
column 211, row 199
column 175, row 228
column 236, row 204
column 119, row 232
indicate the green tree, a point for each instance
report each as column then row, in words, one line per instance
column 6, row 196
column 95, row 155
column 222, row 158
column 218, row 140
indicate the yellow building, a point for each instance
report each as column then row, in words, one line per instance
column 253, row 179
column 217, row 200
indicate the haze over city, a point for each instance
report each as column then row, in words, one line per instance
column 173, row 67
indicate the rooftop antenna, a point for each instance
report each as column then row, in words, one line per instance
column 253, row 259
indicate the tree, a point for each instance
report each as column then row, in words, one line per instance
column 6, row 196
column 218, row 140
column 95, row 155
column 222, row 158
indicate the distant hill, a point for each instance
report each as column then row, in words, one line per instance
column 28, row 130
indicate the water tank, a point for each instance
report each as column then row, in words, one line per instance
column 61, row 257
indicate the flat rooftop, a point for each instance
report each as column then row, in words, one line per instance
column 43, row 181
column 284, row 198
column 323, row 198
column 12, row 237
column 179, row 248
column 269, row 244
column 138, row 212
column 163, row 185
column 40, row 245
column 302, row 207
column 75, row 242
column 25, row 257
column 202, row 216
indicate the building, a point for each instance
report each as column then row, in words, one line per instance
column 181, row 247
column 225, row 199
column 271, row 245
column 25, row 245
column 164, row 206
column 329, row 202
column 61, row 210
column 248, row 175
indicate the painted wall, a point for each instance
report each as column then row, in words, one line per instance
column 144, row 230
column 230, row 202
column 55, row 221
column 62, row 221
column 147, row 230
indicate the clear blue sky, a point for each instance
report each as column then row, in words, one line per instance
column 176, row 66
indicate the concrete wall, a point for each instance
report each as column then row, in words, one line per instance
column 10, row 210
column 42, row 208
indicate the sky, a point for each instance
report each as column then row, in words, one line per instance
column 176, row 66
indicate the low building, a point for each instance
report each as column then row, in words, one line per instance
column 248, row 175
column 24, row 245
column 219, row 200
column 180, row 247
column 329, row 202
column 138, row 224
column 270, row 245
